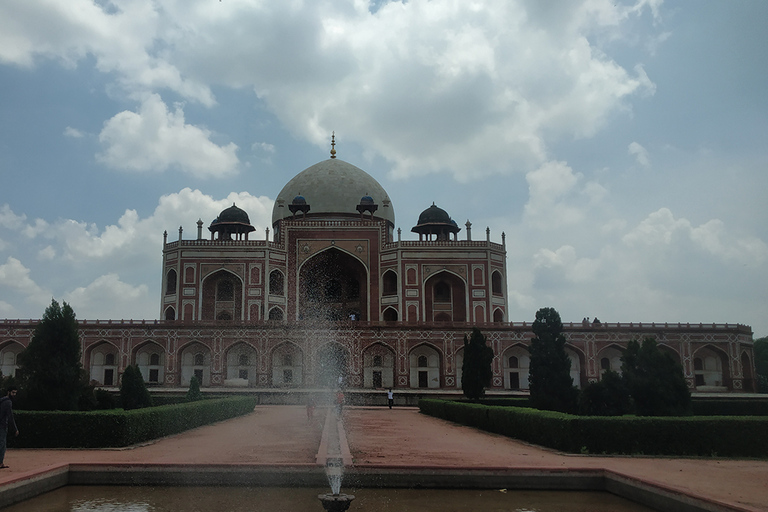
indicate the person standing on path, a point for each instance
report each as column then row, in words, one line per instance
column 390, row 397
column 6, row 422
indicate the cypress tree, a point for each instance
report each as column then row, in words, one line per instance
column 476, row 369
column 550, row 378
column 50, row 366
column 133, row 390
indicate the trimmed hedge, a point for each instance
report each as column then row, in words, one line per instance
column 116, row 427
column 707, row 436
column 729, row 407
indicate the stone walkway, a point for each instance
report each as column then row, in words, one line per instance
column 402, row 437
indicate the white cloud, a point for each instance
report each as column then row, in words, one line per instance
column 107, row 295
column 73, row 132
column 15, row 277
column 47, row 254
column 68, row 254
column 125, row 38
column 10, row 220
column 155, row 139
column 640, row 153
column 555, row 198
column 469, row 88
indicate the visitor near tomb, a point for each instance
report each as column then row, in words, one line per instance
column 6, row 422
column 390, row 397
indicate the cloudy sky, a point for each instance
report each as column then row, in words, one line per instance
column 621, row 146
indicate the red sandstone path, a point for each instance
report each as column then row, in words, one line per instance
column 401, row 437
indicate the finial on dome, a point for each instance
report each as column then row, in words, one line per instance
column 333, row 144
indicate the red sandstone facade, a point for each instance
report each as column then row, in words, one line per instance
column 337, row 295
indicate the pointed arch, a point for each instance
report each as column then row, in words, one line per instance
column 445, row 297
column 241, row 365
column 9, row 353
column 389, row 283
column 195, row 360
column 276, row 282
column 424, row 362
column 333, row 284
column 711, row 368
column 515, row 362
column 378, row 366
column 222, row 296
column 103, row 363
column 390, row 314
column 171, row 279
column 149, row 356
column 287, row 365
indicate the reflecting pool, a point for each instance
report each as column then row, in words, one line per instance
column 263, row 499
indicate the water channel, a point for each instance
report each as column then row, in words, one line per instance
column 263, row 499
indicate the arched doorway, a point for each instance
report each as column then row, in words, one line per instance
column 150, row 358
column 516, row 362
column 241, row 365
column 196, row 362
column 104, row 364
column 710, row 369
column 425, row 367
column 378, row 367
column 609, row 359
column 333, row 286
column 287, row 366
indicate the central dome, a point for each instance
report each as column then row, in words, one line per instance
column 332, row 187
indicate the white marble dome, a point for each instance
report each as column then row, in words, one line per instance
column 333, row 187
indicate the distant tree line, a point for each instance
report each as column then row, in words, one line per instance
column 651, row 382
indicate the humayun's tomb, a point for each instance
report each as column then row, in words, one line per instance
column 336, row 293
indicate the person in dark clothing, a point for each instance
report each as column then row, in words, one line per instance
column 6, row 422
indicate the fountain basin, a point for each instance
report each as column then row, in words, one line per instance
column 336, row 502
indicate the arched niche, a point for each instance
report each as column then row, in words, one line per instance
column 378, row 366
column 222, row 297
column 445, row 298
column 150, row 358
column 242, row 365
column 424, row 362
column 104, row 364
column 287, row 366
column 196, row 361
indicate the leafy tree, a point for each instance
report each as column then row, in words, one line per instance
column 194, row 394
column 133, row 391
column 654, row 380
column 607, row 397
column 550, row 378
column 761, row 363
column 476, row 369
column 50, row 366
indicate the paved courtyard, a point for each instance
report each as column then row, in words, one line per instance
column 401, row 437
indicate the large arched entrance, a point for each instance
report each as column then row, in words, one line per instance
column 333, row 286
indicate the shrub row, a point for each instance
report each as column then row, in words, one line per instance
column 730, row 407
column 732, row 436
column 116, row 427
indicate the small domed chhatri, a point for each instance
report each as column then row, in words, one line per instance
column 231, row 221
column 435, row 222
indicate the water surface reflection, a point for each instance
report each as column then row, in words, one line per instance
column 258, row 499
